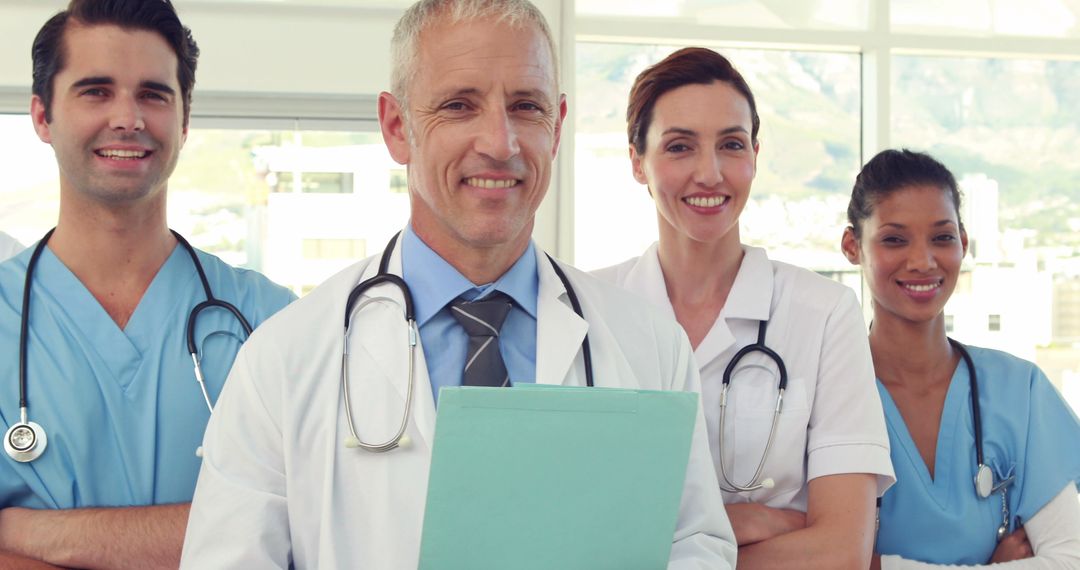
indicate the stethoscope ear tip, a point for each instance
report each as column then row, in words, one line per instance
column 768, row 483
column 352, row 442
column 404, row 442
column 198, row 451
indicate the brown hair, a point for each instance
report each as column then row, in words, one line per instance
column 692, row 65
column 149, row 15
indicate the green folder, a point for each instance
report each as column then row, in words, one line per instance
column 554, row 477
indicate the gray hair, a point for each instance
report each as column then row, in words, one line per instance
column 423, row 14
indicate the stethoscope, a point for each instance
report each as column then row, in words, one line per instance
column 755, row 482
column 25, row 441
column 984, row 475
column 399, row 439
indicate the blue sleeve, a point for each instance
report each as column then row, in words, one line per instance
column 1052, row 457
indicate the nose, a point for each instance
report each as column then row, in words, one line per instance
column 125, row 114
column 498, row 138
column 708, row 171
column 921, row 257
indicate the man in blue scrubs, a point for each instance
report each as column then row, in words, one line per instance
column 108, row 374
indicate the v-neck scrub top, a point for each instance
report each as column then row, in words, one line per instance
column 121, row 408
column 831, row 422
column 1027, row 430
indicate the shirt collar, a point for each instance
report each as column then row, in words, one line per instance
column 751, row 293
column 434, row 282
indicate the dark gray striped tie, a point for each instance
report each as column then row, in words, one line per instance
column 482, row 320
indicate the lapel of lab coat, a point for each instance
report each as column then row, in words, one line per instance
column 422, row 415
column 559, row 330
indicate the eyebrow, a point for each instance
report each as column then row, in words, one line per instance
column 104, row 80
column 529, row 93
column 691, row 132
column 937, row 224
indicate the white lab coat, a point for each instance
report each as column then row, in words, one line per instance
column 278, row 487
column 832, row 421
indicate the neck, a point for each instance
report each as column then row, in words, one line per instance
column 698, row 273
column 115, row 254
column 914, row 354
column 479, row 264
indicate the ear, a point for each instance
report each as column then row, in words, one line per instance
column 964, row 240
column 849, row 244
column 394, row 130
column 37, row 115
column 558, row 125
column 639, row 170
column 757, row 149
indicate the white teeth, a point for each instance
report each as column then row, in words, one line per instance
column 703, row 202
column 125, row 154
column 922, row 288
column 491, row 183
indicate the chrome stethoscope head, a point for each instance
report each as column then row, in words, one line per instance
column 755, row 482
column 26, row 440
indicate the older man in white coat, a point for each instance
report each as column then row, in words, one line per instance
column 476, row 115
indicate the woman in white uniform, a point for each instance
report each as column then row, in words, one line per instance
column 907, row 235
column 692, row 127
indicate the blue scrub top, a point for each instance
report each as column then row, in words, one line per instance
column 1027, row 429
column 121, row 408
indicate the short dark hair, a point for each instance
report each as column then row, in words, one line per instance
column 150, row 15
column 893, row 170
column 692, row 65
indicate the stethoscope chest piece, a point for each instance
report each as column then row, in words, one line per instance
column 984, row 482
column 25, row 441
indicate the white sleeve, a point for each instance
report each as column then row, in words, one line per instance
column 704, row 539
column 239, row 514
column 1054, row 534
column 847, row 432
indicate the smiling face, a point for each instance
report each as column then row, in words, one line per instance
column 480, row 134
column 117, row 116
column 699, row 161
column 910, row 251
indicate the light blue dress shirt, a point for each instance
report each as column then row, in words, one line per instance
column 435, row 283
column 1028, row 430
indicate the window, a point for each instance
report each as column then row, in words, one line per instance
column 949, row 323
column 993, row 323
column 234, row 194
column 311, row 182
column 348, row 249
column 1046, row 18
column 399, row 181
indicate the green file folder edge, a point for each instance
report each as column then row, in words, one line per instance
column 554, row 477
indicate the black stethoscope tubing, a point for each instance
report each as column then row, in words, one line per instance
column 755, row 481
column 24, row 325
column 384, row 276
column 976, row 413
